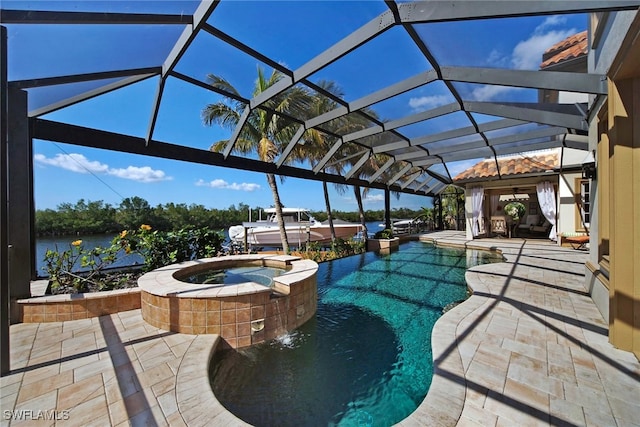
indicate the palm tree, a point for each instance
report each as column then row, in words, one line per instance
column 452, row 201
column 318, row 143
column 429, row 216
column 264, row 132
column 373, row 164
column 353, row 123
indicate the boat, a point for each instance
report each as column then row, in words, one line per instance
column 300, row 227
column 404, row 226
column 401, row 226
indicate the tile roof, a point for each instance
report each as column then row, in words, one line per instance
column 569, row 48
column 511, row 165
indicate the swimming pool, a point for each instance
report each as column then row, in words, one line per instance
column 365, row 358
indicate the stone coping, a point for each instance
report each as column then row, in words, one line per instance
column 442, row 406
column 63, row 307
column 162, row 281
column 195, row 399
column 444, row 402
column 79, row 296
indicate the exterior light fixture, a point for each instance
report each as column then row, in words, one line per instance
column 589, row 166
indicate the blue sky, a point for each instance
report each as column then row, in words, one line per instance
column 290, row 32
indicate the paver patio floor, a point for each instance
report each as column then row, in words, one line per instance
column 529, row 348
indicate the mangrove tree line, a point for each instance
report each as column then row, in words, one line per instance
column 97, row 217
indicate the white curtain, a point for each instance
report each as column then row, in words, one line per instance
column 477, row 197
column 547, row 200
column 494, row 200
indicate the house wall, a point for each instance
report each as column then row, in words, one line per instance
column 568, row 220
column 613, row 271
column 572, row 97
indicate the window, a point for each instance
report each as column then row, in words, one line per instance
column 583, row 204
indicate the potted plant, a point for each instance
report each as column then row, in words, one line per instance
column 383, row 240
column 515, row 210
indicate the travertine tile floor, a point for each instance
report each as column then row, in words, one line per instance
column 529, row 348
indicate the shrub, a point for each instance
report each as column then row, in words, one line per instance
column 160, row 248
column 344, row 248
column 314, row 247
column 77, row 268
column 338, row 249
column 387, row 233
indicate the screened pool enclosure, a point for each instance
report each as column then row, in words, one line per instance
column 403, row 94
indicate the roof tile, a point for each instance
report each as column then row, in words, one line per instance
column 569, row 48
column 513, row 165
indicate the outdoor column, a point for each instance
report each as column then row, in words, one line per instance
column 387, row 208
column 4, row 252
column 20, row 197
column 440, row 222
column 457, row 210
column 468, row 213
column 624, row 154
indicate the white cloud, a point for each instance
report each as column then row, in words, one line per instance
column 221, row 183
column 78, row 163
column 551, row 21
column 72, row 162
column 244, row 186
column 527, row 55
column 369, row 198
column 497, row 59
column 428, row 102
column 216, row 183
column 144, row 174
column 374, row 198
column 488, row 92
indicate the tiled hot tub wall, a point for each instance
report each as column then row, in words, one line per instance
column 243, row 314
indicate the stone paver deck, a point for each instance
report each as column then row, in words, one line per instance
column 529, row 348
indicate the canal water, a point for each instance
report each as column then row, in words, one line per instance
column 89, row 241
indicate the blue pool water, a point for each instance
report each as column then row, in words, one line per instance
column 365, row 358
column 235, row 276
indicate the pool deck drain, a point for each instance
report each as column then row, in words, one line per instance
column 529, row 348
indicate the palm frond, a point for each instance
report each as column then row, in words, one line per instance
column 243, row 146
column 218, row 146
column 220, row 113
column 221, row 83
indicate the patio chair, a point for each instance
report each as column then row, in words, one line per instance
column 499, row 225
column 529, row 222
column 577, row 242
column 544, row 228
